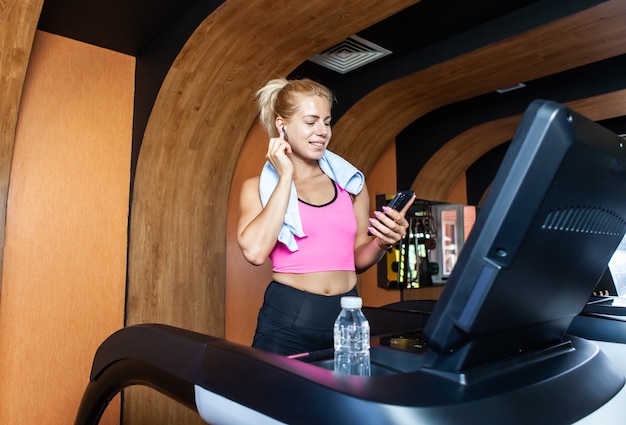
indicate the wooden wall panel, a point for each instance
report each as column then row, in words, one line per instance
column 65, row 255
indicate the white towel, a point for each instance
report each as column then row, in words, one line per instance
column 346, row 175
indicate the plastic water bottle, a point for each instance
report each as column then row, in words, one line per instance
column 351, row 335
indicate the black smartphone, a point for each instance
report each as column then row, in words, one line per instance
column 401, row 199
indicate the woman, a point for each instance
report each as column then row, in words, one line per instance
column 308, row 212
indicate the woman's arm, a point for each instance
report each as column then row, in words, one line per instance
column 387, row 228
column 258, row 227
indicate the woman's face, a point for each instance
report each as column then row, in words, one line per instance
column 308, row 130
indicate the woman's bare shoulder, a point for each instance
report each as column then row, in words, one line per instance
column 251, row 182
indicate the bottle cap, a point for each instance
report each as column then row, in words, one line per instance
column 351, row 302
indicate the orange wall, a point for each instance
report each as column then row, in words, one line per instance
column 63, row 282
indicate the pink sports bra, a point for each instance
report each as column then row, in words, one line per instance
column 329, row 244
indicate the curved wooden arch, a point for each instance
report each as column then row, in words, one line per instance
column 195, row 132
column 465, row 149
column 594, row 34
column 18, row 24
column 176, row 261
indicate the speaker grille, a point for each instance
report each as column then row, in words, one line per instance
column 584, row 220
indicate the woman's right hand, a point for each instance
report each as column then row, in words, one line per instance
column 278, row 153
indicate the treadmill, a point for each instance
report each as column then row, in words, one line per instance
column 496, row 347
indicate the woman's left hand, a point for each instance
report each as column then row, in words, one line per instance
column 389, row 226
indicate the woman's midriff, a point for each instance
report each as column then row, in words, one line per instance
column 322, row 283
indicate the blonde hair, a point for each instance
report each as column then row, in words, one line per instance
column 280, row 98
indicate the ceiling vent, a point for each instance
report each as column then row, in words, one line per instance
column 350, row 54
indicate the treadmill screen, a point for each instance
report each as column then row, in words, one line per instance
column 553, row 218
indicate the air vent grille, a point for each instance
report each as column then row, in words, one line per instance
column 352, row 53
column 585, row 220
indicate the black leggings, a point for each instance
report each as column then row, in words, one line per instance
column 293, row 321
